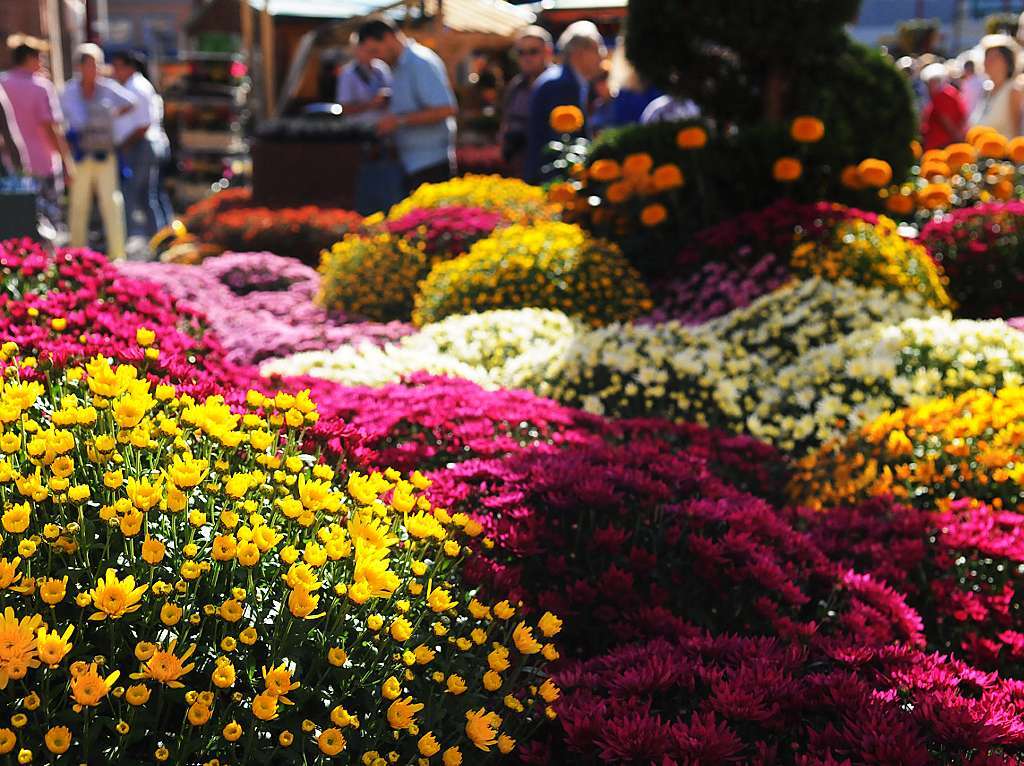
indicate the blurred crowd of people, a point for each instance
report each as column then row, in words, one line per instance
column 402, row 88
column 981, row 86
column 101, row 139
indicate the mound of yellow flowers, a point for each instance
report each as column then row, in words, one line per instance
column 873, row 255
column 927, row 455
column 550, row 265
column 179, row 582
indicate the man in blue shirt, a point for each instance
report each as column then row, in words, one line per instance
column 421, row 113
column 583, row 50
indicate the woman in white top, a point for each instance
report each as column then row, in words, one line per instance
column 1000, row 107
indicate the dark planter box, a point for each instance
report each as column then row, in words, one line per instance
column 18, row 215
column 296, row 173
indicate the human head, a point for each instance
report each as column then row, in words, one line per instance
column 381, row 39
column 935, row 76
column 27, row 51
column 90, row 59
column 533, row 49
column 1000, row 57
column 359, row 51
column 123, row 65
column 583, row 48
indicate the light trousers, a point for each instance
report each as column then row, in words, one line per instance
column 99, row 177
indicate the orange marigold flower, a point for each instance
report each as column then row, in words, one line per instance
column 958, row 155
column 605, row 170
column 667, row 177
column 807, row 129
column 787, row 169
column 638, row 164
column 977, row 131
column 694, row 137
column 935, row 196
column 1015, row 150
column 875, row 172
column 653, row 215
column 566, row 119
column 900, row 204
column 991, row 145
column 561, row 194
column 850, row 178
column 619, row 192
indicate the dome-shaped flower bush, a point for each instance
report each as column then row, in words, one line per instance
column 746, row 239
column 507, row 348
column 373, row 275
column 873, row 255
column 547, row 265
column 968, row 446
column 260, row 305
column 713, row 374
column 961, row 568
column 716, row 289
column 181, row 582
column 374, row 272
column 513, row 199
column 981, row 249
column 843, row 386
column 445, row 232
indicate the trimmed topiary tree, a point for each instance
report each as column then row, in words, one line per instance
column 753, row 68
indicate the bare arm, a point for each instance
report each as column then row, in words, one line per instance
column 435, row 114
column 58, row 142
column 428, row 116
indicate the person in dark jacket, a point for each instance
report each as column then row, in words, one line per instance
column 534, row 48
column 582, row 50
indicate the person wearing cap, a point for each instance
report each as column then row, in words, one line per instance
column 583, row 50
column 1000, row 107
column 944, row 117
column 36, row 116
column 140, row 136
column 533, row 51
column 91, row 105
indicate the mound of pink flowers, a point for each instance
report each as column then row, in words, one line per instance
column 261, row 305
column 445, row 232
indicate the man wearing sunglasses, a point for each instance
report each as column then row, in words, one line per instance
column 533, row 51
column 582, row 49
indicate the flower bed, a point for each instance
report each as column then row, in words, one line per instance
column 710, row 374
column 873, row 254
column 717, row 289
column 746, row 239
column 960, row 569
column 963, row 447
column 177, row 566
column 261, row 305
column 982, row 252
column 714, row 374
column 445, row 232
column 547, row 265
column 376, row 273
column 507, row 348
column 847, row 384
column 511, row 198
column 230, row 221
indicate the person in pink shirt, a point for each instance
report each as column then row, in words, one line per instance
column 37, row 114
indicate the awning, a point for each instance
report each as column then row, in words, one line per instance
column 321, row 9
